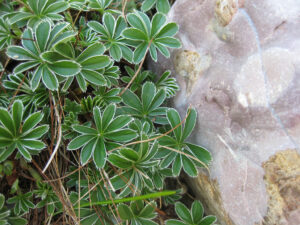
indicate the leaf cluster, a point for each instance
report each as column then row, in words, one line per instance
column 76, row 95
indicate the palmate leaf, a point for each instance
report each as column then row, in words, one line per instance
column 168, row 84
column 90, row 61
column 22, row 203
column 108, row 128
column 15, row 132
column 155, row 34
column 138, row 213
column 191, row 217
column 6, row 37
column 138, row 165
column 140, row 78
column 35, row 50
column 178, row 142
column 6, row 217
column 148, row 107
column 40, row 9
column 110, row 33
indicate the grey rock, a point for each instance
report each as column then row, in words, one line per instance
column 240, row 68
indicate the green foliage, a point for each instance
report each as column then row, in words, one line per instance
column 7, row 217
column 78, row 68
column 93, row 142
column 138, row 213
column 37, row 10
column 32, row 100
column 168, row 84
column 138, row 81
column 48, row 197
column 137, row 167
column 148, row 106
column 110, row 33
column 36, row 52
column 17, row 133
column 90, row 61
column 162, row 6
column 22, row 203
column 154, row 35
column 6, row 37
column 6, row 168
column 178, row 142
column 191, row 217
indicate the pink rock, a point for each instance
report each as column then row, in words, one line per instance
column 240, row 68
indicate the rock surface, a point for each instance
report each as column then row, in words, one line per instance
column 240, row 68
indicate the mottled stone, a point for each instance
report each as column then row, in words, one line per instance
column 240, row 68
column 282, row 178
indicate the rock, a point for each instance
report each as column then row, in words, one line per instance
column 240, row 68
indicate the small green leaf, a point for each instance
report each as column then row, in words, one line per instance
column 174, row 120
column 190, row 123
column 24, row 152
column 208, row 220
column 65, row 68
column 87, row 151
column 183, row 212
column 56, row 7
column 167, row 31
column 135, row 34
column 163, row 6
column 109, row 22
column 84, row 130
column 94, row 25
column 189, row 167
column 137, row 22
column 201, row 153
column 79, row 141
column 140, row 52
column 124, row 135
column 36, row 132
column 36, row 78
column 33, row 144
column 197, row 212
column 94, row 77
column 97, row 118
column 119, row 161
column 95, row 62
column 49, row 79
column 132, row 100
column 118, row 123
column 96, row 49
column 17, row 113
column 148, row 92
column 147, row 5
column 115, row 52
column 177, row 165
column 28, row 43
column 129, row 154
column 32, row 121
column 169, row 42
column 25, row 66
column 7, row 121
column 100, row 153
column 174, row 222
column 42, row 33
column 108, row 115
column 5, row 153
column 65, row 49
column 19, row 53
column 125, row 212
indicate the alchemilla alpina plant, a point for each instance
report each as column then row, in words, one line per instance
column 86, row 134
